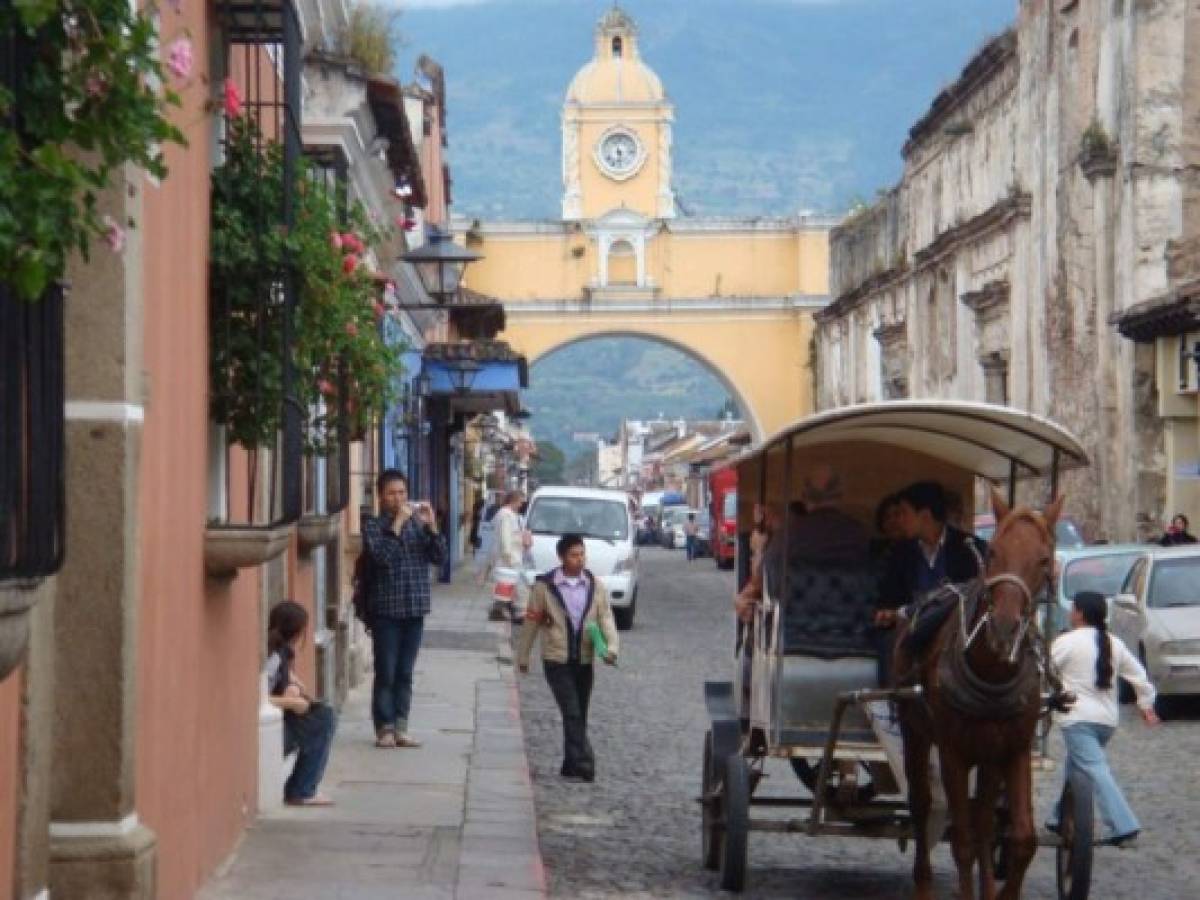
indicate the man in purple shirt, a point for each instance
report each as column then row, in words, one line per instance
column 562, row 604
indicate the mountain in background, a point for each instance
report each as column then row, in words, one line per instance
column 781, row 105
column 590, row 386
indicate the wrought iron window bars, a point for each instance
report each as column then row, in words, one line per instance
column 262, row 55
column 32, row 416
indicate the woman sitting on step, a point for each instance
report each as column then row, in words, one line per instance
column 308, row 725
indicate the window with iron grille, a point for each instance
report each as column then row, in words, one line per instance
column 329, row 171
column 253, row 296
column 32, row 427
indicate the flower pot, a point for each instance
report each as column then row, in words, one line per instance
column 16, row 603
column 318, row 530
column 228, row 548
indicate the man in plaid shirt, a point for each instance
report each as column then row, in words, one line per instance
column 401, row 543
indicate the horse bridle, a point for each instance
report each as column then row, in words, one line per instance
column 1027, row 610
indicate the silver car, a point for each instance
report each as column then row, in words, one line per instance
column 1157, row 615
column 1099, row 567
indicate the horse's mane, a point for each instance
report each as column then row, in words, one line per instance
column 1023, row 514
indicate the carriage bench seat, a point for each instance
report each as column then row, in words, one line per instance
column 829, row 611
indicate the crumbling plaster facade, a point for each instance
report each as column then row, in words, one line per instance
column 1041, row 194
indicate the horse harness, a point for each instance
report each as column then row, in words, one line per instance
column 965, row 691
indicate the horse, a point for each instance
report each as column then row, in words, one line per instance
column 981, row 702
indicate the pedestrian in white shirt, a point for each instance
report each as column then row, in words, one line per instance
column 1090, row 660
column 509, row 548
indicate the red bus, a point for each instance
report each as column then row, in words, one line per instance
column 722, row 493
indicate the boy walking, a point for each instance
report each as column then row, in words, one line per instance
column 562, row 604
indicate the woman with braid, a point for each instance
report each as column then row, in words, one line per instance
column 1090, row 660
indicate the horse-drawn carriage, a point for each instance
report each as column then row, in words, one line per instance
column 808, row 686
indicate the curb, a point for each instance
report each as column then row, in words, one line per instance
column 500, row 855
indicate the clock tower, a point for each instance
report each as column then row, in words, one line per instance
column 616, row 122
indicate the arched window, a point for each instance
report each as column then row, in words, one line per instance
column 622, row 264
column 617, row 48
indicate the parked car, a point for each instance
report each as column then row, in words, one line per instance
column 648, row 531
column 673, row 519
column 1100, row 568
column 1067, row 533
column 603, row 518
column 1157, row 615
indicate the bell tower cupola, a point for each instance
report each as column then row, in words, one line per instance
column 616, row 151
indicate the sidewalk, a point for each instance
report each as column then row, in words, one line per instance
column 454, row 819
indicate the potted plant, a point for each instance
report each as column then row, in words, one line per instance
column 343, row 369
column 90, row 94
column 85, row 92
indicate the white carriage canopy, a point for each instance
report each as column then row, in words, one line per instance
column 975, row 437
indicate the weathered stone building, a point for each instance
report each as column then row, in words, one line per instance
column 1043, row 195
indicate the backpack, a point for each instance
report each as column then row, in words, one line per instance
column 360, row 584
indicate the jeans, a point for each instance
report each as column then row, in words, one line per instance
column 311, row 735
column 396, row 643
column 1085, row 751
column 690, row 544
column 571, row 684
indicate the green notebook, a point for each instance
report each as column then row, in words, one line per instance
column 598, row 642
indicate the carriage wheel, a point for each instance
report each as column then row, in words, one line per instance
column 734, row 849
column 1074, row 853
column 711, row 830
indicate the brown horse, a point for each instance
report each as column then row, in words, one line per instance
column 981, row 704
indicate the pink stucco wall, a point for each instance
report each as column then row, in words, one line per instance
column 10, row 781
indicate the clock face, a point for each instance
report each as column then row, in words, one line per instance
column 619, row 153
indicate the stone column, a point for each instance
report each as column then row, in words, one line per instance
column 37, row 741
column 1098, row 163
column 98, row 847
column 995, row 377
column 893, row 347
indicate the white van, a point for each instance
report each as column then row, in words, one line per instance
column 603, row 519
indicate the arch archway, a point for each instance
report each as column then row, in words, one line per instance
column 748, row 413
column 759, row 357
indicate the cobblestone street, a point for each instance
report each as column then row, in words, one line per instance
column 635, row 832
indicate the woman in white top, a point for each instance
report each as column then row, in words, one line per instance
column 1090, row 660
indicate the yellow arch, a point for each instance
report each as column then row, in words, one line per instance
column 760, row 359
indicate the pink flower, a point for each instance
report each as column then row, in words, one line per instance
column 335, row 240
column 349, row 263
column 114, row 235
column 179, row 58
column 351, row 329
column 325, row 386
column 352, row 243
column 233, row 99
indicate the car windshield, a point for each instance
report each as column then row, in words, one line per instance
column 1104, row 574
column 675, row 515
column 590, row 517
column 1175, row 582
column 729, row 511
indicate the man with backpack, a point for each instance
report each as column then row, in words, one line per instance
column 393, row 598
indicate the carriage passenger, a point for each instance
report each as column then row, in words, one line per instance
column 933, row 553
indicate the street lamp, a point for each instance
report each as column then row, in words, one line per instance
column 462, row 374
column 440, row 264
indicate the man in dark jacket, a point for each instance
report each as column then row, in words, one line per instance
column 934, row 553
